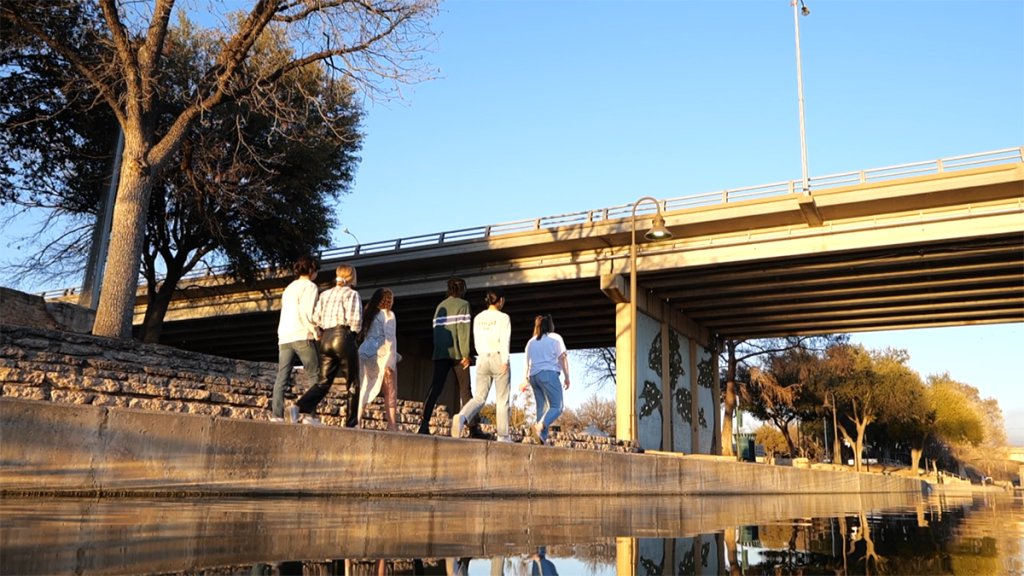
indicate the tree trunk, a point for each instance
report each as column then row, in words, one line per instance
column 121, row 273
column 915, row 459
column 858, row 446
column 730, row 400
column 156, row 309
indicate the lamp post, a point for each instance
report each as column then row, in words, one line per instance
column 658, row 231
column 835, row 427
column 359, row 244
column 800, row 88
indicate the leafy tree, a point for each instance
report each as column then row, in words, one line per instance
column 949, row 417
column 122, row 59
column 869, row 387
column 970, row 425
column 236, row 178
column 774, row 389
column 774, row 440
column 738, row 356
column 56, row 155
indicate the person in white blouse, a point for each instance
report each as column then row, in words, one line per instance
column 378, row 355
column 492, row 330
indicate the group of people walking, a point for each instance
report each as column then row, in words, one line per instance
column 335, row 338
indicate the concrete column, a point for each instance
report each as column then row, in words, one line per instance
column 625, row 398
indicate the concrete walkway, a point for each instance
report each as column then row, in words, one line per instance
column 50, row 448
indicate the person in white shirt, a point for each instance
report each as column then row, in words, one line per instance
column 339, row 314
column 296, row 333
column 546, row 358
column 378, row 355
column 492, row 330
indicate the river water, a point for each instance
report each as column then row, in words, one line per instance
column 977, row 534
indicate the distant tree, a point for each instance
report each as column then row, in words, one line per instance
column 773, row 389
column 869, row 387
column 737, row 358
column 598, row 412
column 775, row 441
column 598, row 365
column 950, row 416
column 972, row 426
column 121, row 58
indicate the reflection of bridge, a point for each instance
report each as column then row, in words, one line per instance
column 931, row 244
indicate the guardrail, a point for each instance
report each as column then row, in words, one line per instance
column 622, row 211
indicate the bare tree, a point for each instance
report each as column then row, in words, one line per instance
column 374, row 44
column 598, row 365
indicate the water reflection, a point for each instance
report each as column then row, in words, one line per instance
column 801, row 534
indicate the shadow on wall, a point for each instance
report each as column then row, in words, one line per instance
column 21, row 309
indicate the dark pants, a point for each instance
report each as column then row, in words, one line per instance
column 339, row 358
column 441, row 369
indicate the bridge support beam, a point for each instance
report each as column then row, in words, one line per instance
column 674, row 407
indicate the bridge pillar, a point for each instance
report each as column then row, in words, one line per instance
column 674, row 406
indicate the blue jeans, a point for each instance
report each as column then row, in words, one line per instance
column 306, row 351
column 547, row 392
column 490, row 370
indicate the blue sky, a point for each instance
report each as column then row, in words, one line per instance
column 548, row 107
column 543, row 108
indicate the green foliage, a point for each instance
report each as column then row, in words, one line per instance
column 252, row 184
column 773, row 440
column 957, row 418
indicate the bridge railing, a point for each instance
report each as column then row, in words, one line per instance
column 622, row 211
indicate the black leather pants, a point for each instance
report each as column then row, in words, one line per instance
column 339, row 358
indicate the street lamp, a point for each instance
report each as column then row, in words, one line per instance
column 836, row 454
column 359, row 244
column 800, row 88
column 658, row 231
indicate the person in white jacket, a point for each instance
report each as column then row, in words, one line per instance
column 297, row 333
column 378, row 355
column 492, row 330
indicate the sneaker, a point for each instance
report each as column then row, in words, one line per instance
column 310, row 419
column 276, row 419
column 457, row 425
column 293, row 413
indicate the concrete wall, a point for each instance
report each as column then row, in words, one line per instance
column 59, row 448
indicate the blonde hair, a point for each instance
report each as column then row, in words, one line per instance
column 345, row 275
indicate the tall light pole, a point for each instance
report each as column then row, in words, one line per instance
column 658, row 231
column 797, row 10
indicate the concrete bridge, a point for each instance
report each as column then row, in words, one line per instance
column 936, row 243
column 921, row 245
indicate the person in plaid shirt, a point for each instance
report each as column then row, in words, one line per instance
column 339, row 314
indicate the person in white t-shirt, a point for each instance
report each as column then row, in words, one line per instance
column 546, row 358
column 492, row 330
column 297, row 333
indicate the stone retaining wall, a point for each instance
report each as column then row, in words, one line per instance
column 39, row 364
column 65, row 367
